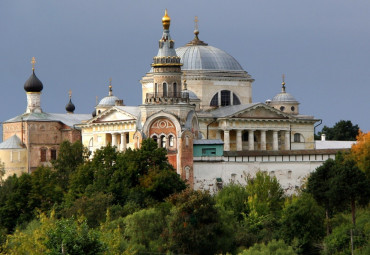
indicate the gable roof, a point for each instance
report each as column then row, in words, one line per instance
column 66, row 118
column 12, row 142
column 233, row 110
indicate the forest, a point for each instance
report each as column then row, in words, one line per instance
column 134, row 202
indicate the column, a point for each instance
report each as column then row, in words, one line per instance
column 114, row 139
column 123, row 141
column 226, row 140
column 251, row 140
column 287, row 140
column 239, row 140
column 263, row 140
column 275, row 143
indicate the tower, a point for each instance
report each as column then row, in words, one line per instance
column 33, row 87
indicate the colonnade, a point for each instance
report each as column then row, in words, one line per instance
column 251, row 139
column 121, row 137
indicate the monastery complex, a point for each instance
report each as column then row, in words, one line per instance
column 197, row 104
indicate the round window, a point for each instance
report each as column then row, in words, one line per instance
column 282, row 108
column 292, row 108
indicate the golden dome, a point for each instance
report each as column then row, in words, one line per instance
column 166, row 20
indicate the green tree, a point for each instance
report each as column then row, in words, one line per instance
column 350, row 184
column 271, row 248
column 195, row 224
column 341, row 131
column 302, row 224
column 73, row 237
column 319, row 184
column 70, row 156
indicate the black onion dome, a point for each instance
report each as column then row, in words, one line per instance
column 70, row 107
column 33, row 84
column 94, row 113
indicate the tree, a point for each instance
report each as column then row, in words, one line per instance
column 341, row 131
column 70, row 156
column 302, row 223
column 360, row 152
column 194, row 224
column 350, row 184
column 320, row 187
column 271, row 248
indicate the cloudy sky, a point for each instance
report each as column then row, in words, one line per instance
column 322, row 47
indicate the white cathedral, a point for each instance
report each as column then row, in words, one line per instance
column 197, row 104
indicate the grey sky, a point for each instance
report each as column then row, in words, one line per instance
column 322, row 46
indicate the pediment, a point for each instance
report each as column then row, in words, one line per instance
column 261, row 112
column 113, row 115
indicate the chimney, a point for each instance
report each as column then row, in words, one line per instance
column 323, row 137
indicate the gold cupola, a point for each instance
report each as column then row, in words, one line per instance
column 166, row 20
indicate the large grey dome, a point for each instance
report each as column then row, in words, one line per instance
column 205, row 57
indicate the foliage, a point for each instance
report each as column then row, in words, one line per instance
column 341, row 131
column 339, row 242
column 194, row 224
column 233, row 198
column 360, row 152
column 271, row 248
column 70, row 156
column 302, row 223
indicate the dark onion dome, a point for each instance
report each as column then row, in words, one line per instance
column 94, row 113
column 70, row 107
column 33, row 84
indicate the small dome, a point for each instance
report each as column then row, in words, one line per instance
column 70, row 107
column 192, row 95
column 33, row 84
column 284, row 97
column 205, row 57
column 108, row 101
column 93, row 113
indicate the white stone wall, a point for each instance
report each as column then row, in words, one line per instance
column 291, row 171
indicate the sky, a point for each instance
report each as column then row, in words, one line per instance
column 322, row 47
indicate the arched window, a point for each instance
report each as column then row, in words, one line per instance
column 155, row 138
column 174, row 89
column 171, row 141
column 236, row 100
column 297, row 138
column 163, row 141
column 214, row 101
column 164, row 89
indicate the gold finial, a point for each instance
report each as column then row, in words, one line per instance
column 110, row 87
column 33, row 62
column 196, row 23
column 166, row 20
column 283, row 83
column 70, row 94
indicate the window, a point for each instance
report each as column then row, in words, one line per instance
column 155, row 138
column 282, row 108
column 43, row 155
column 214, row 101
column 236, row 100
column 164, row 89
column 170, row 140
column 53, row 154
column 163, row 141
column 156, row 89
column 174, row 89
column 297, row 138
column 127, row 138
column 292, row 108
column 208, row 151
column 187, row 172
column 225, row 97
